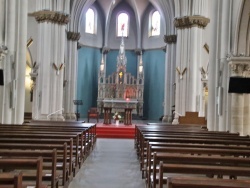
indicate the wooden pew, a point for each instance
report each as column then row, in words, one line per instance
column 13, row 135
column 200, row 170
column 91, row 127
column 63, row 146
column 49, row 161
column 180, row 158
column 63, row 168
column 30, row 164
column 51, row 130
column 191, row 182
column 185, row 140
column 141, row 131
column 11, row 180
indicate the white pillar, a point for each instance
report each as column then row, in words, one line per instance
column 224, row 50
column 2, row 54
column 188, row 62
column 21, row 60
column 50, row 58
column 2, row 21
column 169, row 78
column 212, row 119
column 70, row 82
column 9, row 70
column 240, row 103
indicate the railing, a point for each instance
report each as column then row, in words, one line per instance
column 54, row 113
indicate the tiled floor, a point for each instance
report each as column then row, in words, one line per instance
column 112, row 164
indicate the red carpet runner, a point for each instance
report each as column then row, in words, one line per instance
column 115, row 131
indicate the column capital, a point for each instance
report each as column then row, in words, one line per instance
column 240, row 66
column 170, row 39
column 51, row 16
column 3, row 51
column 191, row 21
column 73, row 36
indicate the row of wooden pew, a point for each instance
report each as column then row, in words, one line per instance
column 43, row 154
column 185, row 156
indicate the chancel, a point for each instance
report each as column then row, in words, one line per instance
column 121, row 90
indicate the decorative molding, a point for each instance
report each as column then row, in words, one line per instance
column 58, row 68
column 73, row 36
column 181, row 73
column 239, row 69
column 51, row 16
column 191, row 21
column 206, row 47
column 170, row 39
column 3, row 51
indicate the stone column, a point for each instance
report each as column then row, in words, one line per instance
column 188, row 61
column 2, row 21
column 11, row 27
column 3, row 52
column 21, row 61
column 240, row 103
column 212, row 120
column 50, row 59
column 169, row 78
column 224, row 36
column 70, row 79
column 140, row 82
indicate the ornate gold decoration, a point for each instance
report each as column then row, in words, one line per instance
column 73, row 36
column 206, row 47
column 170, row 39
column 181, row 73
column 191, row 21
column 51, row 16
column 58, row 68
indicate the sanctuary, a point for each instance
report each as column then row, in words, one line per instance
column 121, row 90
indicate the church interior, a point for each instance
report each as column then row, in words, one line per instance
column 71, row 68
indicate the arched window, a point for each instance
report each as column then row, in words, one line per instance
column 90, row 21
column 155, row 20
column 122, row 25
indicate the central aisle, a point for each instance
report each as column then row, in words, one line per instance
column 112, row 164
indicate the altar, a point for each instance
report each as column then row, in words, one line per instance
column 121, row 91
column 118, row 105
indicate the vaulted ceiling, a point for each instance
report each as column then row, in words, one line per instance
column 165, row 7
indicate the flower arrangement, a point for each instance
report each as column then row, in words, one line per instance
column 116, row 116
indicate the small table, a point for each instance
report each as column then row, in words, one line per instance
column 128, row 116
column 107, row 115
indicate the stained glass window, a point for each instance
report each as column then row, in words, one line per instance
column 155, row 23
column 122, row 25
column 90, row 21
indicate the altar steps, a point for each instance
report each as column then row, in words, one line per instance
column 113, row 131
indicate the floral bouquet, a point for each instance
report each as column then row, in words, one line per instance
column 116, row 116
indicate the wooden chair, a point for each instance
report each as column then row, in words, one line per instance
column 93, row 113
